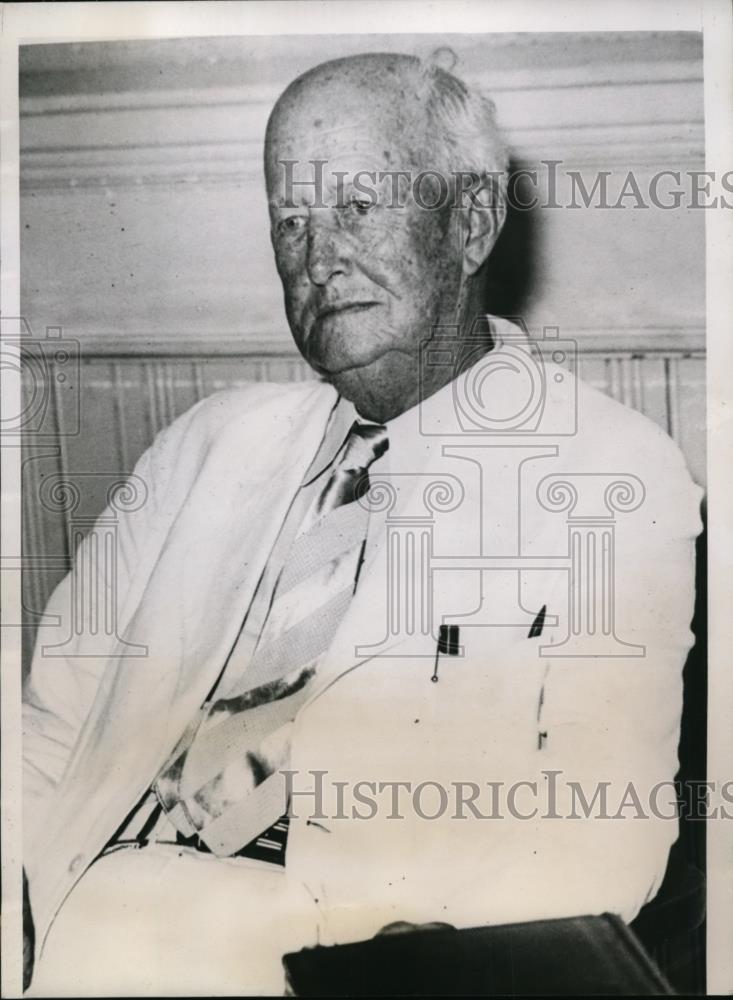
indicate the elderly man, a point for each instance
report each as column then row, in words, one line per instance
column 303, row 648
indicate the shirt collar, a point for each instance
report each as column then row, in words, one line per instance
column 406, row 441
column 339, row 424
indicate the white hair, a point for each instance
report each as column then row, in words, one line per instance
column 461, row 121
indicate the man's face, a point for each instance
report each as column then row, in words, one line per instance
column 365, row 279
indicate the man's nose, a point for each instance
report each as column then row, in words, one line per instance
column 328, row 251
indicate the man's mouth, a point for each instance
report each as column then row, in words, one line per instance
column 345, row 306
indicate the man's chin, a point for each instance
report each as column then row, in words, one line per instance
column 332, row 369
column 372, row 389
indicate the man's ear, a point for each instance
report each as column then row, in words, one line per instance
column 484, row 217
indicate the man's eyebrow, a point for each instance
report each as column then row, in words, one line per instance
column 283, row 203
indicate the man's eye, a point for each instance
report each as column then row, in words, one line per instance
column 361, row 206
column 291, row 224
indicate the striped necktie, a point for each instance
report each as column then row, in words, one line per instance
column 223, row 782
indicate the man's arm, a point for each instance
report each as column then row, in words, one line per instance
column 610, row 727
column 60, row 689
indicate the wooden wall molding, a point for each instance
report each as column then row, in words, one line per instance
column 642, row 341
column 587, row 115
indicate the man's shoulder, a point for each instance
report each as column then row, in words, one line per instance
column 558, row 407
column 609, row 430
column 248, row 399
column 616, row 448
column 212, row 436
column 237, row 405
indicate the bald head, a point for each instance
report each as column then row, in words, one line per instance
column 440, row 122
column 370, row 262
column 380, row 100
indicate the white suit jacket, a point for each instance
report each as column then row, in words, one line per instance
column 220, row 481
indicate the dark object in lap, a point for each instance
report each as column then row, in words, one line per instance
column 571, row 957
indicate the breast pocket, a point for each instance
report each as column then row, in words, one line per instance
column 489, row 694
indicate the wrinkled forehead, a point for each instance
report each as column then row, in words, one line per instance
column 349, row 122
